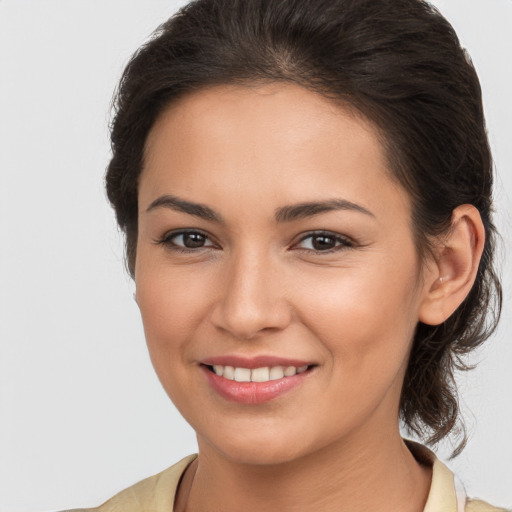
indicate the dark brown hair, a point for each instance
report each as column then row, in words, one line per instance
column 400, row 64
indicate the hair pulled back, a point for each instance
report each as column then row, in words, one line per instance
column 400, row 64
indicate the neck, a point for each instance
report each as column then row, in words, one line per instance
column 350, row 476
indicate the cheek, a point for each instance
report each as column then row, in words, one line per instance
column 172, row 304
column 170, row 310
column 364, row 318
column 366, row 337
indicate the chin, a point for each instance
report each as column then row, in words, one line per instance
column 259, row 446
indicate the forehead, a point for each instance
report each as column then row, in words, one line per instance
column 239, row 138
column 266, row 106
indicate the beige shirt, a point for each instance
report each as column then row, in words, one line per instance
column 156, row 493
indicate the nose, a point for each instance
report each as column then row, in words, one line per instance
column 252, row 299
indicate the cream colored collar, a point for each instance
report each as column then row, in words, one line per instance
column 444, row 495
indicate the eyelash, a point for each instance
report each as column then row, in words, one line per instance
column 343, row 242
column 167, row 242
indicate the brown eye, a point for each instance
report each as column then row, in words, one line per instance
column 321, row 242
column 324, row 242
column 192, row 240
column 186, row 240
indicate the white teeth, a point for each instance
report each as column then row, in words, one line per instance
column 229, row 372
column 260, row 374
column 263, row 374
column 242, row 375
column 290, row 371
column 277, row 372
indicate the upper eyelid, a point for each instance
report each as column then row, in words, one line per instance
column 319, row 232
column 174, row 233
column 332, row 234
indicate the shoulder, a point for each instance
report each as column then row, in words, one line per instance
column 153, row 494
column 446, row 491
column 481, row 506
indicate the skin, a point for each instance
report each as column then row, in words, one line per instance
column 259, row 286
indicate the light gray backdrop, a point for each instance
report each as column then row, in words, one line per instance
column 81, row 413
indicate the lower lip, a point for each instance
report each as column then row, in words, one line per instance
column 253, row 392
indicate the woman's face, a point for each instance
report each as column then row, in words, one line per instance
column 272, row 238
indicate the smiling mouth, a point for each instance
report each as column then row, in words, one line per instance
column 259, row 375
column 256, row 385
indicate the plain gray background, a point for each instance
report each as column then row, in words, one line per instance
column 82, row 414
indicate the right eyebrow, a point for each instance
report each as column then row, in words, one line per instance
column 197, row 209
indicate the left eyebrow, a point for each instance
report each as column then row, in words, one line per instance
column 309, row 209
column 181, row 205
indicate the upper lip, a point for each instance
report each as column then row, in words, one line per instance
column 254, row 362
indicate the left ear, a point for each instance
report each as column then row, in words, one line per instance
column 450, row 276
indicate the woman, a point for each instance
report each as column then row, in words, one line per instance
column 305, row 189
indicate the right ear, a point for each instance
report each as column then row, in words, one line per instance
column 455, row 266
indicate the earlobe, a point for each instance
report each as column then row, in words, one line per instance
column 453, row 272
